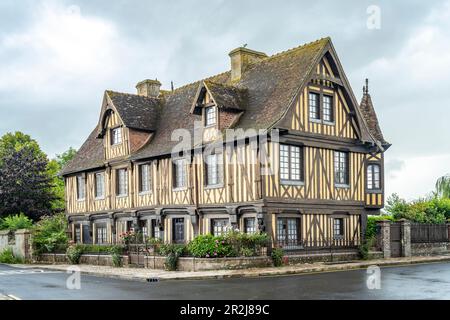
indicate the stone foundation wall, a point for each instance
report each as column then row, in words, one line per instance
column 427, row 249
column 18, row 241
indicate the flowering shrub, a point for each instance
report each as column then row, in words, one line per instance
column 132, row 237
column 209, row 246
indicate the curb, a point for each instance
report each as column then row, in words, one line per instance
column 268, row 273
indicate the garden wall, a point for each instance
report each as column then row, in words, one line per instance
column 18, row 241
column 427, row 249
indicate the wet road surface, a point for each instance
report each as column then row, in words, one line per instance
column 421, row 281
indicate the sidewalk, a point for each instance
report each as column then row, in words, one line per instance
column 139, row 274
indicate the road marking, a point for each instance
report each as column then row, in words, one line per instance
column 25, row 272
column 13, row 297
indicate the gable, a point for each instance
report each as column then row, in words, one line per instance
column 327, row 79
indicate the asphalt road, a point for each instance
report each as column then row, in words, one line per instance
column 422, row 281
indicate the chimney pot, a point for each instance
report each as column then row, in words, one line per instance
column 241, row 58
column 148, row 88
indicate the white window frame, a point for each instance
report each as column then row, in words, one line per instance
column 214, row 170
column 145, row 180
column 99, row 176
column 81, row 187
column 116, row 136
column 122, row 188
column 373, row 177
column 180, row 174
column 210, row 116
column 291, row 164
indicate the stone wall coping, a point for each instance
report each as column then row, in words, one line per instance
column 4, row 232
column 23, row 231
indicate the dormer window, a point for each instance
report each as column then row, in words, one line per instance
column 210, row 116
column 116, row 136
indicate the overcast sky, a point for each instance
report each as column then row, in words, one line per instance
column 58, row 57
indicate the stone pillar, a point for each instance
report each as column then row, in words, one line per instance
column 22, row 244
column 384, row 237
column 405, row 226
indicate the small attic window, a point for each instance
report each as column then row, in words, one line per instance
column 116, row 136
column 210, row 116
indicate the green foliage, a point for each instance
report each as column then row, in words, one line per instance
column 116, row 254
column 53, row 168
column 172, row 253
column 230, row 244
column 101, row 249
column 49, row 234
column 443, row 186
column 17, row 141
column 371, row 229
column 7, row 256
column 433, row 210
column 16, row 222
column 74, row 253
column 207, row 246
column 277, row 257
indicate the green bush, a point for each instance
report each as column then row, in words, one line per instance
column 16, row 222
column 371, row 229
column 49, row 234
column 430, row 210
column 116, row 254
column 7, row 256
column 277, row 257
column 172, row 253
column 209, row 246
column 74, row 253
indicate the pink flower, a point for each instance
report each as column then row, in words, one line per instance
column 207, row 255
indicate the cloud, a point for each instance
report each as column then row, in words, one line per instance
column 417, row 175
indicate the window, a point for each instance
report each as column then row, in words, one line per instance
column 288, row 233
column 130, row 226
column 101, row 233
column 314, row 109
column 116, row 136
column 328, row 108
column 338, row 228
column 143, row 229
column 210, row 116
column 341, row 168
column 81, row 187
column 290, row 163
column 214, row 169
column 219, row 226
column 122, row 182
column 178, row 230
column 179, row 173
column 100, row 185
column 155, row 229
column 249, row 225
column 373, row 177
column 77, row 236
column 144, row 178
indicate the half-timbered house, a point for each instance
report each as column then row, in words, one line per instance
column 323, row 168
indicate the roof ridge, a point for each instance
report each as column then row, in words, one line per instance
column 132, row 94
column 275, row 55
column 194, row 82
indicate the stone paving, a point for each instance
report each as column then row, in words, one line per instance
column 141, row 274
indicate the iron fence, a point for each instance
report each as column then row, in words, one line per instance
column 427, row 232
column 324, row 245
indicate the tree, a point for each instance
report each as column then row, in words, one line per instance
column 54, row 167
column 11, row 142
column 25, row 185
column 443, row 186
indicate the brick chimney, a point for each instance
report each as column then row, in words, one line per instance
column 241, row 58
column 148, row 88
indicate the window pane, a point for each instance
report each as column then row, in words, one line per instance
column 327, row 108
column 284, row 162
column 314, row 106
column 210, row 116
column 99, row 185
column 373, row 177
column 144, row 178
column 116, row 136
column 178, row 229
column 341, row 167
column 122, row 182
column 291, row 163
column 219, row 226
column 81, row 187
column 249, row 225
column 180, row 173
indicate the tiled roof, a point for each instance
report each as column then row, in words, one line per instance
column 264, row 92
column 370, row 117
